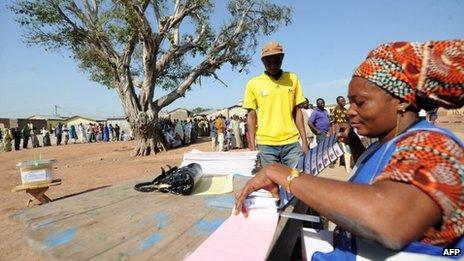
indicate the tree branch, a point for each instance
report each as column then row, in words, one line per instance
column 177, row 51
column 219, row 79
column 209, row 64
column 102, row 46
column 181, row 89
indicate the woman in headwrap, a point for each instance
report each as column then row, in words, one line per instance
column 407, row 191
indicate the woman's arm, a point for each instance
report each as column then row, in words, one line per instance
column 391, row 213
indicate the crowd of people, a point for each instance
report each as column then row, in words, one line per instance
column 93, row 132
column 227, row 133
column 175, row 133
column 178, row 133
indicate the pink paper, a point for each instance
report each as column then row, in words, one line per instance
column 239, row 238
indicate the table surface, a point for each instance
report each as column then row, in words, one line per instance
column 121, row 223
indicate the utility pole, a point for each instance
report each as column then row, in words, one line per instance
column 56, row 110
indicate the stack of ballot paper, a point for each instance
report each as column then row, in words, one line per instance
column 261, row 201
column 223, row 163
column 243, row 238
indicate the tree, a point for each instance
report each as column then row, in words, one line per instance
column 134, row 46
column 200, row 110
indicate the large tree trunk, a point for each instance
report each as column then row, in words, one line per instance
column 143, row 121
column 147, row 134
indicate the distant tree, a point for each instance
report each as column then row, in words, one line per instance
column 200, row 110
column 134, row 46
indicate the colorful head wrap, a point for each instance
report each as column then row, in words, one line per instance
column 426, row 75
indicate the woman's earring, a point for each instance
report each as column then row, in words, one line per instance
column 402, row 109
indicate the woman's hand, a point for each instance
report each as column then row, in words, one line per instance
column 259, row 181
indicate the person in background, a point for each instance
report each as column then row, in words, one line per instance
column 306, row 111
column 188, row 132
column 213, row 136
column 274, row 120
column 82, row 133
column 17, row 137
column 195, row 129
column 34, row 139
column 7, row 138
column 73, row 134
column 243, row 132
column 220, row 127
column 116, row 131
column 340, row 120
column 89, row 132
column 100, row 131
column 407, row 192
column 235, row 126
column 65, row 134
column 179, row 130
column 25, row 133
column 58, row 133
column 340, row 113
column 319, row 121
column 111, row 131
column 106, row 133
column 46, row 137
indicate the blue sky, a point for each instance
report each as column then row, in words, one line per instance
column 323, row 45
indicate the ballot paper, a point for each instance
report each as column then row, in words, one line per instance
column 243, row 238
column 239, row 238
column 321, row 156
column 213, row 185
column 223, row 163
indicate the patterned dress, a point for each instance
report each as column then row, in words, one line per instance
column 339, row 115
column 434, row 163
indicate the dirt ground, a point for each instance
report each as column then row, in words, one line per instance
column 84, row 167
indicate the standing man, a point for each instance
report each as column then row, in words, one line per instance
column 273, row 100
column 26, row 133
column 340, row 114
column 58, row 133
column 235, row 125
column 340, row 117
column 243, row 132
column 16, row 137
column 213, row 136
column 319, row 121
column 306, row 111
column 220, row 130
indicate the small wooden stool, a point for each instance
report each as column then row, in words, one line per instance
column 37, row 191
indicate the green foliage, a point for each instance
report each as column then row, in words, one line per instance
column 99, row 34
column 200, row 109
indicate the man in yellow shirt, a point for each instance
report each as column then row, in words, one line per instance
column 220, row 129
column 275, row 121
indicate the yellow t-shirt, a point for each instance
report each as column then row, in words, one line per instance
column 274, row 101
